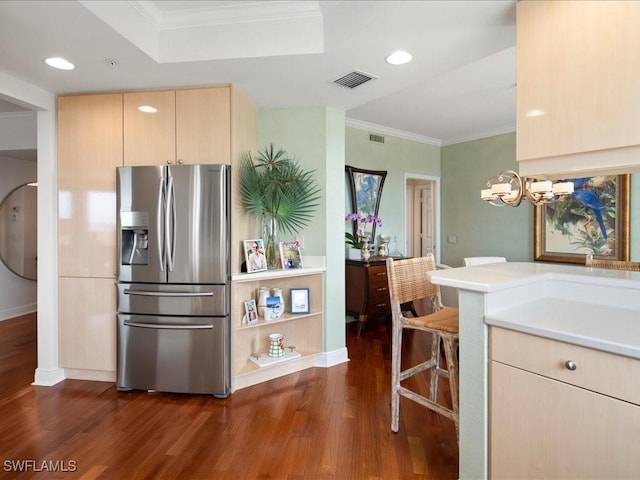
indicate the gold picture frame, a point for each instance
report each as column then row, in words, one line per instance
column 594, row 220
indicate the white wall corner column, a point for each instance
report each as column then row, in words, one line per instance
column 44, row 102
column 48, row 371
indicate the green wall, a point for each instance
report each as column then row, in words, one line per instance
column 399, row 157
column 481, row 229
column 318, row 138
column 315, row 138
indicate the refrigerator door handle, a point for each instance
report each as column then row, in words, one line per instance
column 170, row 226
column 168, row 327
column 144, row 293
column 160, row 237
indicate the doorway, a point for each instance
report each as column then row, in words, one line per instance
column 422, row 194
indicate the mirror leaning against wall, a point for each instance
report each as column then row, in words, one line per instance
column 18, row 231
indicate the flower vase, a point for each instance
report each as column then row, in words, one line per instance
column 263, row 293
column 271, row 244
column 366, row 254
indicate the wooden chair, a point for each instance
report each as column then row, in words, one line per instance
column 613, row 264
column 408, row 282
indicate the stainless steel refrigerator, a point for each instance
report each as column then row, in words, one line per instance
column 174, row 278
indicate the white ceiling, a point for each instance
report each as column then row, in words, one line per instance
column 459, row 86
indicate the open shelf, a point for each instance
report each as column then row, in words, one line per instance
column 302, row 331
column 286, row 317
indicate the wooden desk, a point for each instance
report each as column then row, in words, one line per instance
column 367, row 289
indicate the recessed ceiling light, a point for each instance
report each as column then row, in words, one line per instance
column 60, row 63
column 398, row 58
column 147, row 109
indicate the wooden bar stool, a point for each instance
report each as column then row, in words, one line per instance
column 408, row 282
column 612, row 264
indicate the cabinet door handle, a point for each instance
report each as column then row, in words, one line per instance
column 571, row 365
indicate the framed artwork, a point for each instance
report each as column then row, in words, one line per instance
column 299, row 300
column 365, row 187
column 250, row 312
column 274, row 309
column 291, row 255
column 593, row 220
column 254, row 255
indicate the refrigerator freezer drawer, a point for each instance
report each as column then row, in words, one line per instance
column 174, row 354
column 158, row 299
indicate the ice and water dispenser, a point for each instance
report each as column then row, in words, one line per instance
column 134, row 231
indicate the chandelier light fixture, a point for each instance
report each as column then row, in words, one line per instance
column 508, row 189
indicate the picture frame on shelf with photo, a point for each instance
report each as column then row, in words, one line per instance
column 291, row 255
column 250, row 312
column 254, row 255
column 299, row 300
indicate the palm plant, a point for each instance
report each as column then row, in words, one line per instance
column 277, row 191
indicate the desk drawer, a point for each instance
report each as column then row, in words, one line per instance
column 595, row 370
column 379, row 304
column 378, row 276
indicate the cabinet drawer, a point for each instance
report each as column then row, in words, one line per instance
column 603, row 372
column 378, row 305
column 378, row 276
column 381, row 291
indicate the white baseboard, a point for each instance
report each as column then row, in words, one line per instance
column 48, row 377
column 335, row 357
column 18, row 311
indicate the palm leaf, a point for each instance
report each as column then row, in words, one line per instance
column 276, row 185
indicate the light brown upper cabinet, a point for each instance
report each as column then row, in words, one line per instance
column 89, row 150
column 578, row 94
column 191, row 126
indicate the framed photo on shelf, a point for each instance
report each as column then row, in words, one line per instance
column 291, row 255
column 274, row 308
column 254, row 255
column 593, row 220
column 299, row 300
column 250, row 312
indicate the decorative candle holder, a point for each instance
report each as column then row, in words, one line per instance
column 276, row 345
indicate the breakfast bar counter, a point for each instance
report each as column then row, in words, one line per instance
column 592, row 308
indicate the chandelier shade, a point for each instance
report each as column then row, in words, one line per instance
column 508, row 189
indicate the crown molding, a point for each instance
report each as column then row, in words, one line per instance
column 217, row 31
column 225, row 13
column 372, row 127
column 488, row 133
column 13, row 115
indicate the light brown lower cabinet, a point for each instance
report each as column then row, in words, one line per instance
column 87, row 327
column 546, row 427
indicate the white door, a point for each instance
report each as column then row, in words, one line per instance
column 422, row 216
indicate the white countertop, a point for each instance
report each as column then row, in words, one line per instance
column 594, row 308
column 499, row 276
column 610, row 329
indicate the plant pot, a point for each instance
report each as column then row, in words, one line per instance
column 271, row 243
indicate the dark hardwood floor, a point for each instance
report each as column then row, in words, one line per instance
column 322, row 423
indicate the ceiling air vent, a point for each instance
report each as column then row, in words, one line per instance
column 376, row 138
column 353, row 79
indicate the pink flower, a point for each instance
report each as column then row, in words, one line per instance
column 362, row 221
